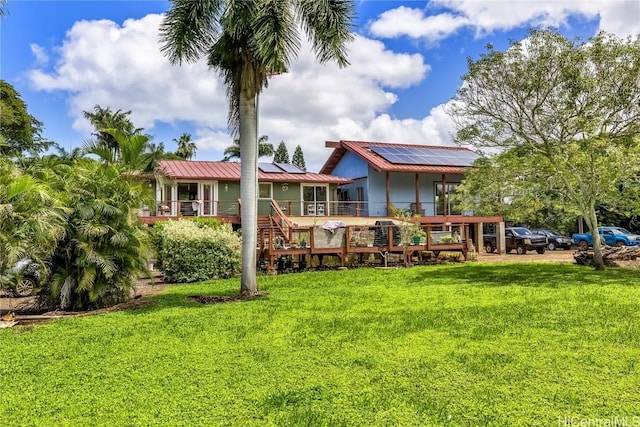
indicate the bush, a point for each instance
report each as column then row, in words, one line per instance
column 189, row 251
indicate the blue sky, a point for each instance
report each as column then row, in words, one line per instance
column 65, row 57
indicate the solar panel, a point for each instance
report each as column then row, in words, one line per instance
column 289, row 168
column 425, row 156
column 269, row 168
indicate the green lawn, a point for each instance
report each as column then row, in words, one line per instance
column 465, row 344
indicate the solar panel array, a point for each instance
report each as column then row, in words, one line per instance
column 431, row 156
column 278, row 168
column 289, row 168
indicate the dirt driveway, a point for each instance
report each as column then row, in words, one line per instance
column 531, row 256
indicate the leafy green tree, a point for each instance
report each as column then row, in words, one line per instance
column 566, row 107
column 19, row 131
column 248, row 41
column 233, row 151
column 281, row 154
column 105, row 246
column 186, row 147
column 298, row 158
column 32, row 217
column 534, row 202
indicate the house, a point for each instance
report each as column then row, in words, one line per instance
column 420, row 178
column 212, row 189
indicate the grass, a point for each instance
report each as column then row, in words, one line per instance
column 460, row 345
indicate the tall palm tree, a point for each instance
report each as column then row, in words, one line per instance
column 186, row 148
column 233, row 151
column 246, row 42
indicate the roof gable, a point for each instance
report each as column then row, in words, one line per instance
column 416, row 158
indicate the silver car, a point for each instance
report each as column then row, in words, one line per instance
column 24, row 277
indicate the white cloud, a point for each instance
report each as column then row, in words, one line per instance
column 122, row 67
column 40, row 54
column 620, row 17
column 416, row 24
column 103, row 63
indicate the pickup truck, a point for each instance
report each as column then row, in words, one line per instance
column 611, row 236
column 518, row 238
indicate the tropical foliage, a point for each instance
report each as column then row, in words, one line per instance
column 105, row 246
column 32, row 217
column 190, row 251
column 568, row 113
column 233, row 151
column 186, row 147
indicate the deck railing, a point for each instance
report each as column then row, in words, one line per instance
column 291, row 208
column 342, row 241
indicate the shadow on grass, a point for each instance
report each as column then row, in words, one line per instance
column 528, row 274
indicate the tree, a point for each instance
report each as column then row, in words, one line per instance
column 248, row 41
column 105, row 246
column 233, row 151
column 186, row 148
column 32, row 217
column 298, row 158
column 534, row 202
column 566, row 107
column 105, row 118
column 134, row 151
column 281, row 154
column 19, row 131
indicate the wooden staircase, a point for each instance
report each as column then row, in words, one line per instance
column 264, row 224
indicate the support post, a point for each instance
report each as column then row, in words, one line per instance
column 500, row 240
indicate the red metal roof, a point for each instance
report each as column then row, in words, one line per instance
column 361, row 148
column 230, row 171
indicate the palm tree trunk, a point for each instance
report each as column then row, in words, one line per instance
column 248, row 190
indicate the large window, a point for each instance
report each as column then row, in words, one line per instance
column 443, row 201
column 314, row 199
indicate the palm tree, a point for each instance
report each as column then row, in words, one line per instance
column 32, row 217
column 105, row 118
column 105, row 246
column 246, row 42
column 233, row 151
column 186, row 148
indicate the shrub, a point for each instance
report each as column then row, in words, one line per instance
column 190, row 252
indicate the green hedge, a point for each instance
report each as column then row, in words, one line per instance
column 190, row 251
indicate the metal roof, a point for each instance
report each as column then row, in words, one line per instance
column 379, row 163
column 230, row 171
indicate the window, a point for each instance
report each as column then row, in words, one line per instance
column 314, row 199
column 265, row 190
column 443, row 200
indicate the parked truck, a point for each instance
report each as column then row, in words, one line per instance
column 611, row 236
column 518, row 238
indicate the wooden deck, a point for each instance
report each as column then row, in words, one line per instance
column 358, row 240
